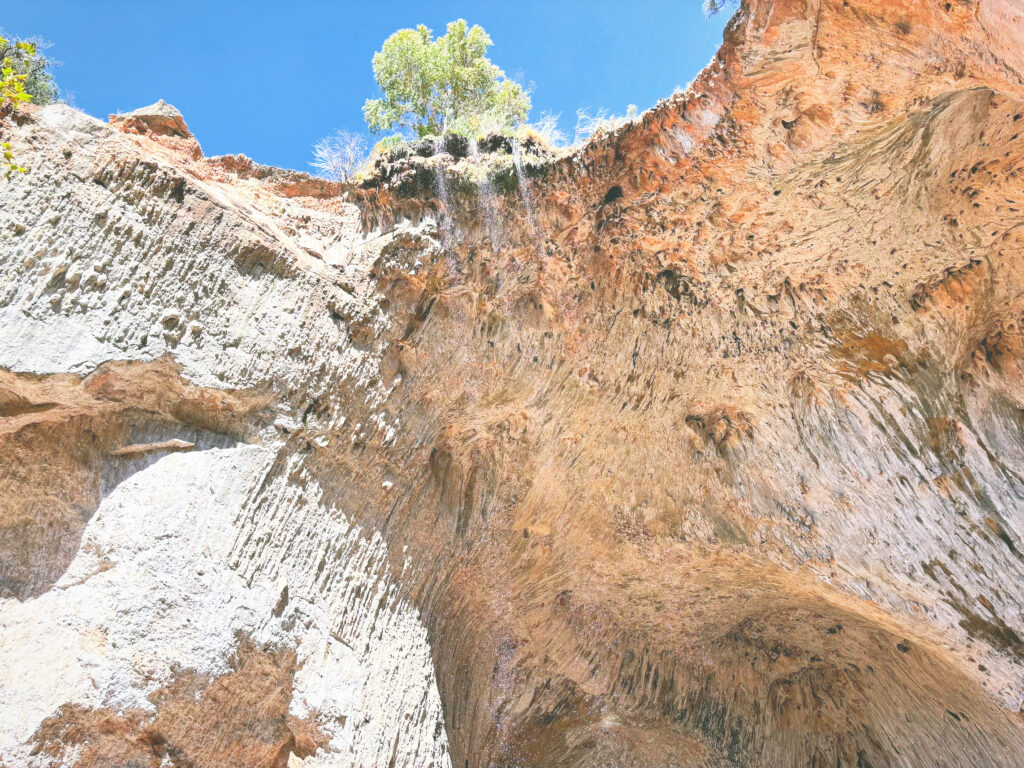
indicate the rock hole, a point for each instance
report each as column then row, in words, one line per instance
column 613, row 194
column 671, row 281
column 19, row 408
column 282, row 602
column 177, row 193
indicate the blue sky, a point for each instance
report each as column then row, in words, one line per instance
column 270, row 78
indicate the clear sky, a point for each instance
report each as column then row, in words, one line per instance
column 270, row 78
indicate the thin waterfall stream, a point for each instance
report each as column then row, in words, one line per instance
column 441, row 190
column 485, row 195
column 525, row 191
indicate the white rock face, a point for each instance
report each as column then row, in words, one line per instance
column 147, row 261
column 198, row 547
column 153, row 587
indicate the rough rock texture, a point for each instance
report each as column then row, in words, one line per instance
column 240, row 718
column 161, row 122
column 700, row 446
column 65, row 438
column 160, row 119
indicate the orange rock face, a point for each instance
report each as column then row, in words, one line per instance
column 701, row 445
column 239, row 719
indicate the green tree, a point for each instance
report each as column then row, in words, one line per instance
column 13, row 94
column 446, row 84
column 26, row 60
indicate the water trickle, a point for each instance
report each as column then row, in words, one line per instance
column 441, row 190
column 524, row 183
column 485, row 194
column 525, row 191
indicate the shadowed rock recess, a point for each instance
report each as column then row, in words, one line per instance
column 699, row 446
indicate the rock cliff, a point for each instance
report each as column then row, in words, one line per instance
column 702, row 445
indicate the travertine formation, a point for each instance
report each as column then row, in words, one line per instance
column 702, row 445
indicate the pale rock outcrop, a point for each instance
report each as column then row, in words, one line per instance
column 173, row 563
column 161, row 119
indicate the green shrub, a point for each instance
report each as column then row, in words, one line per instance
column 34, row 69
column 386, row 144
column 434, row 86
column 20, row 82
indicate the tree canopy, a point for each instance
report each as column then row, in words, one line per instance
column 447, row 84
column 32, row 69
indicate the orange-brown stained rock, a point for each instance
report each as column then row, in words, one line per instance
column 100, row 737
column 237, row 720
column 56, row 434
column 744, row 334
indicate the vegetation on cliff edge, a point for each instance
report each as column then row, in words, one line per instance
column 434, row 86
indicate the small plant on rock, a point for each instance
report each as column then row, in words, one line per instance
column 595, row 124
column 338, row 157
column 12, row 96
column 711, row 7
column 545, row 132
column 24, row 76
column 387, row 144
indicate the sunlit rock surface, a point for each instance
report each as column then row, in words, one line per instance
column 701, row 445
